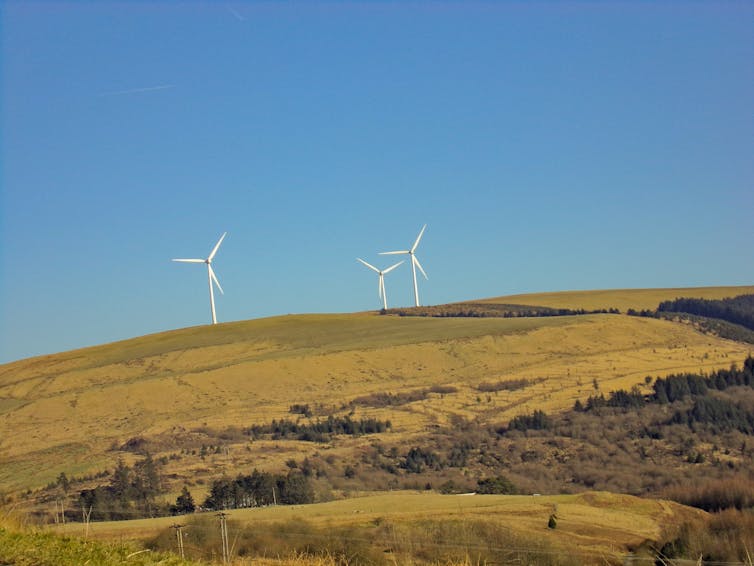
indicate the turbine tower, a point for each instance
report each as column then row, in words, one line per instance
column 414, row 262
column 210, row 274
column 381, row 276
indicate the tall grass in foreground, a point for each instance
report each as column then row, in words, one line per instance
column 716, row 494
column 726, row 537
column 22, row 546
column 381, row 542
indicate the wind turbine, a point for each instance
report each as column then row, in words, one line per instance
column 210, row 274
column 414, row 262
column 381, row 273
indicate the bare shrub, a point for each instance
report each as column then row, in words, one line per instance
column 715, row 495
column 443, row 389
column 387, row 399
column 509, row 385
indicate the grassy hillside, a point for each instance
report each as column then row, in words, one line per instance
column 71, row 412
column 593, row 528
column 190, row 397
column 621, row 299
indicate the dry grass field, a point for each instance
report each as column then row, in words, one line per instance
column 592, row 527
column 67, row 412
column 621, row 299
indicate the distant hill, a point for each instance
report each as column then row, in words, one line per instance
column 189, row 397
column 622, row 299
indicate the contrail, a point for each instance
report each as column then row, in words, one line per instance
column 238, row 16
column 135, row 90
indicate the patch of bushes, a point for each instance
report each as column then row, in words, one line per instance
column 487, row 310
column 418, row 460
column 725, row 538
column 509, row 385
column 720, row 415
column 299, row 409
column 496, row 485
column 715, row 495
column 538, row 420
column 387, row 399
column 443, row 389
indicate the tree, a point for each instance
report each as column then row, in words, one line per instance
column 184, row 503
column 295, row 489
column 120, row 484
column 64, row 482
column 497, row 484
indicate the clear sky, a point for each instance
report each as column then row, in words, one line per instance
column 547, row 145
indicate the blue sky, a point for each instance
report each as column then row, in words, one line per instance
column 547, row 145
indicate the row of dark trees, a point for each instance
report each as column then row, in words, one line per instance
column 491, row 310
column 319, row 430
column 721, row 414
column 738, row 310
column 675, row 387
column 131, row 493
column 538, row 420
column 259, row 489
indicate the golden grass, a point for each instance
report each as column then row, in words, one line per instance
column 622, row 299
column 62, row 413
column 596, row 522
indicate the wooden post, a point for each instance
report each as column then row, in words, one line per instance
column 86, row 514
column 179, row 535
column 224, row 536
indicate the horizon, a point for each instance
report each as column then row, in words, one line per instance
column 547, row 146
column 369, row 311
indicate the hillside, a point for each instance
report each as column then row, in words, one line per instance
column 621, row 299
column 66, row 412
column 341, row 404
column 593, row 528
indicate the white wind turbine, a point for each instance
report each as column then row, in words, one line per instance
column 381, row 275
column 414, row 262
column 210, row 274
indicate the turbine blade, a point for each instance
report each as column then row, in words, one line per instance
column 419, row 237
column 402, row 252
column 380, row 287
column 369, row 265
column 217, row 245
column 189, row 260
column 419, row 265
column 214, row 278
column 389, row 269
